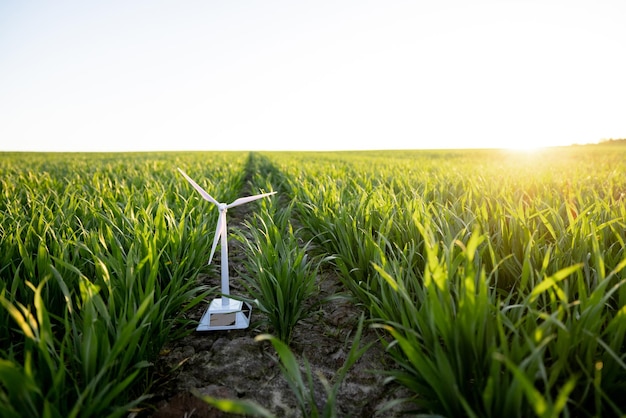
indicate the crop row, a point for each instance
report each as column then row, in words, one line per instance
column 497, row 279
column 99, row 256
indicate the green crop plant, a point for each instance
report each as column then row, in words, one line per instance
column 99, row 255
column 279, row 274
column 530, row 322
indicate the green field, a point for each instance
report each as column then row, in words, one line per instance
column 495, row 279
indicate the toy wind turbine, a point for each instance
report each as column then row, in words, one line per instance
column 224, row 313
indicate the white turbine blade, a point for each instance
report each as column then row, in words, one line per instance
column 219, row 232
column 243, row 200
column 200, row 190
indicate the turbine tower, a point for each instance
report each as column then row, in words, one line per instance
column 224, row 313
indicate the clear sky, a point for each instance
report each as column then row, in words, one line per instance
column 317, row 75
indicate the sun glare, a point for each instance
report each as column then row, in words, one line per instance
column 529, row 148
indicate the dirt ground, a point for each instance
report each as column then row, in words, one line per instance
column 230, row 364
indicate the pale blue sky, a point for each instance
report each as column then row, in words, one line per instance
column 251, row 75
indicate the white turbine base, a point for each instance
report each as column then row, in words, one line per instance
column 235, row 315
